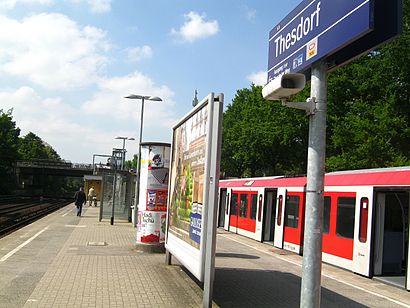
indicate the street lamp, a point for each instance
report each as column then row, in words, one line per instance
column 142, row 98
column 123, row 149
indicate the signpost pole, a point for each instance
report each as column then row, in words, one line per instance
column 114, row 186
column 312, row 248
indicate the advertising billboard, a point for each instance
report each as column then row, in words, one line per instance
column 189, row 183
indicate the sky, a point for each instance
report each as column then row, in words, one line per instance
column 66, row 65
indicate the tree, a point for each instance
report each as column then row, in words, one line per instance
column 262, row 138
column 368, row 119
column 369, row 108
column 132, row 164
column 32, row 147
column 9, row 135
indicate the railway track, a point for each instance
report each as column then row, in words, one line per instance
column 16, row 212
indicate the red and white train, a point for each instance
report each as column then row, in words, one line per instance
column 365, row 223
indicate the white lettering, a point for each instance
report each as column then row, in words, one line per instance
column 304, row 27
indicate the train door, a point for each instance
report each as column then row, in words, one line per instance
column 233, row 212
column 391, row 247
column 222, row 206
column 338, row 228
column 293, row 221
column 269, row 212
column 280, row 213
column 363, row 231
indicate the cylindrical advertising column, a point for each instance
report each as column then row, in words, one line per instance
column 152, row 207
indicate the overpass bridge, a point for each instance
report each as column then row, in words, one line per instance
column 50, row 167
column 38, row 177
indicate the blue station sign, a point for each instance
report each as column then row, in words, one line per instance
column 335, row 30
column 314, row 30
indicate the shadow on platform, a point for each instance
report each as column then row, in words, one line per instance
column 258, row 288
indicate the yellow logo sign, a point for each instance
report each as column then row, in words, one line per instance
column 311, row 49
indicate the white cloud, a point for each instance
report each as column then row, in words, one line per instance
column 10, row 4
column 49, row 118
column 52, row 51
column 196, row 27
column 96, row 6
column 259, row 78
column 139, row 53
column 249, row 12
column 78, row 133
column 110, row 99
column 100, row 6
column 109, row 106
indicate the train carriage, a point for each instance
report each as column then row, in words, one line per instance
column 365, row 218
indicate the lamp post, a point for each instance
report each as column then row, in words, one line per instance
column 137, row 191
column 123, row 149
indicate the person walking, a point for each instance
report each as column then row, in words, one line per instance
column 91, row 195
column 80, row 199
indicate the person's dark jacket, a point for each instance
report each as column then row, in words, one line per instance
column 80, row 197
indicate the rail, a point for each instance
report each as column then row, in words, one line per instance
column 17, row 212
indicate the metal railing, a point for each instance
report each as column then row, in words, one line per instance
column 52, row 164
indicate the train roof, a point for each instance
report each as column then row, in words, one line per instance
column 369, row 177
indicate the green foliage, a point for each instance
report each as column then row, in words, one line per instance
column 369, row 108
column 368, row 119
column 184, row 201
column 13, row 148
column 33, row 147
column 189, row 186
column 262, row 138
column 9, row 136
column 132, row 164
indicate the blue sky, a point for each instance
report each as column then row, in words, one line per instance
column 65, row 65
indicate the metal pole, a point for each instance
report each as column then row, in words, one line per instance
column 93, row 163
column 312, row 247
column 137, row 190
column 114, row 188
column 123, row 154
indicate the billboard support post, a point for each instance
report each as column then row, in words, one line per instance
column 210, row 232
column 312, row 248
column 168, row 257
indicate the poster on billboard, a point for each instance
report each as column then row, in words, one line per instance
column 192, row 167
column 152, row 207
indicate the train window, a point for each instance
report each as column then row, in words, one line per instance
column 243, row 208
column 254, row 206
column 260, row 208
column 292, row 211
column 234, row 204
column 364, row 214
column 279, row 218
column 326, row 214
column 345, row 217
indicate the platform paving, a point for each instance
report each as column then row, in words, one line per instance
column 81, row 262
column 99, row 265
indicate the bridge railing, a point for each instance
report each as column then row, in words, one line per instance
column 53, row 164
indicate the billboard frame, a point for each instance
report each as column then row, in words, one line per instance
column 192, row 258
